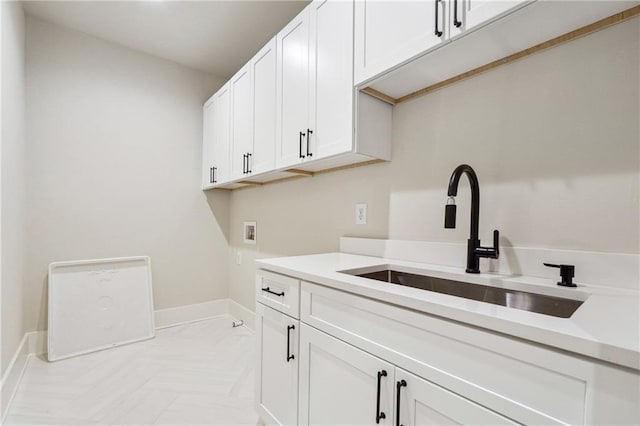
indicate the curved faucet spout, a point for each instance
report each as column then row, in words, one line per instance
column 475, row 194
column 474, row 250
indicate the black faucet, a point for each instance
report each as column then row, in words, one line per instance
column 474, row 250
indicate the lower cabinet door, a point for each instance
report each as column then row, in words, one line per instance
column 420, row 402
column 342, row 385
column 277, row 370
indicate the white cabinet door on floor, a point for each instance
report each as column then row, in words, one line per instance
column 339, row 383
column 420, row 402
column 241, row 121
column 263, row 87
column 331, row 78
column 220, row 134
column 388, row 33
column 277, row 372
column 293, row 90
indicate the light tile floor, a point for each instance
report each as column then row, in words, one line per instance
column 195, row 374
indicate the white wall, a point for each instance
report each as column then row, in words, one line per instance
column 13, row 180
column 114, row 148
column 554, row 139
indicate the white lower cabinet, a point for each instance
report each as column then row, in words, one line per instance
column 339, row 383
column 343, row 385
column 277, row 372
column 420, row 402
column 353, row 360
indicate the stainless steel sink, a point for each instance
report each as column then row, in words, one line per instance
column 540, row 303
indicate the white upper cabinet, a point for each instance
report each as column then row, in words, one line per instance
column 316, row 96
column 241, row 120
column 207, row 144
column 467, row 14
column 293, row 108
column 388, row 33
column 216, row 130
column 330, row 129
column 263, row 88
column 292, row 90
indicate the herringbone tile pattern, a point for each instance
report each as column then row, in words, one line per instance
column 195, row 374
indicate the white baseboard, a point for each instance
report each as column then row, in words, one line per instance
column 238, row 311
column 35, row 342
column 189, row 313
column 13, row 374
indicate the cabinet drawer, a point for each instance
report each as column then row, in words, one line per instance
column 279, row 292
column 524, row 382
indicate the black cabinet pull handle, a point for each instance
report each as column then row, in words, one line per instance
column 456, row 22
column 215, row 169
column 210, row 174
column 248, row 157
column 438, row 32
column 380, row 414
column 309, row 133
column 244, row 164
column 399, row 385
column 268, row 290
column 290, row 356
column 301, row 135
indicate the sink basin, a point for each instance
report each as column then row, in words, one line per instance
column 540, row 303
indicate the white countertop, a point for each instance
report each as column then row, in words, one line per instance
column 606, row 326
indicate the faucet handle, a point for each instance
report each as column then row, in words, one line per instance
column 496, row 239
column 566, row 272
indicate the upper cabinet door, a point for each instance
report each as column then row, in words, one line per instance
column 263, row 87
column 207, row 144
column 241, row 120
column 220, row 134
column 481, row 11
column 293, row 91
column 467, row 14
column 331, row 78
column 388, row 33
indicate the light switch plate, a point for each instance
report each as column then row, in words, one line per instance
column 361, row 214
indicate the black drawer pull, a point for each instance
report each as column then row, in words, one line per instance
column 300, row 151
column 275, row 293
column 399, row 385
column 380, row 414
column 309, row 133
column 248, row 158
column 438, row 32
column 457, row 23
column 290, row 356
column 215, row 169
column 210, row 174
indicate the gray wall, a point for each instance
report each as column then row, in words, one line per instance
column 554, row 139
column 114, row 146
column 12, row 226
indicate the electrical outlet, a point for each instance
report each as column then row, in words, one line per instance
column 361, row 214
column 238, row 257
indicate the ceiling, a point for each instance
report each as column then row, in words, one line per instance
column 213, row 36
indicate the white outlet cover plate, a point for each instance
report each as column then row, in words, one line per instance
column 361, row 214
